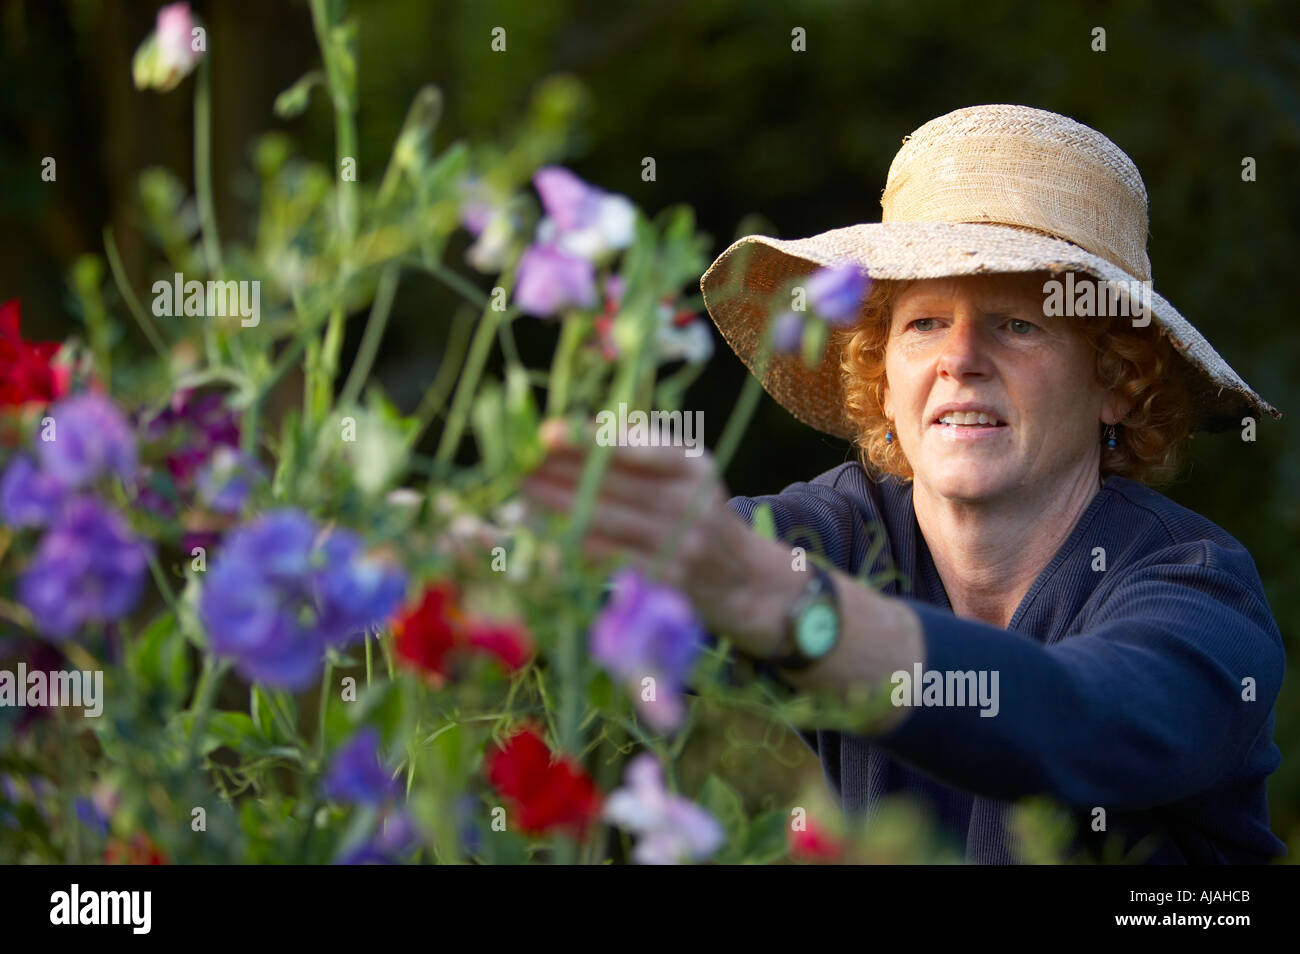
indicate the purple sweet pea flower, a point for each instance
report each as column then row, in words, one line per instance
column 396, row 839
column 357, row 773
column 836, row 293
column 648, row 630
column 89, row 816
column 787, row 336
column 90, row 438
column 580, row 219
column 672, row 829
column 551, row 281
column 29, row 497
column 87, row 568
column 255, row 599
column 278, row 597
column 225, row 481
column 194, row 427
column 353, row 592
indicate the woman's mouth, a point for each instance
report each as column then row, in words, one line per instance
column 968, row 425
column 969, row 419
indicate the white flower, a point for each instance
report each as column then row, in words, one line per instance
column 672, row 829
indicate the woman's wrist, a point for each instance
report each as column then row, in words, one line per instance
column 756, row 607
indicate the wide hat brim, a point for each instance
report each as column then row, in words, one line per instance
column 742, row 286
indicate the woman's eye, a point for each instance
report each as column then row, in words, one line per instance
column 1020, row 327
column 923, row 324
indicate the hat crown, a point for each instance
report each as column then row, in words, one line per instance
column 1027, row 168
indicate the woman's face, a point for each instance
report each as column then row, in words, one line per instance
column 982, row 344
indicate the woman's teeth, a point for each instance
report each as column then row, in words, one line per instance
column 969, row 419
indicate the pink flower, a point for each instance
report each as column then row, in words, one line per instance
column 171, row 52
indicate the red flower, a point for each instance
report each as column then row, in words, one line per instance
column 26, row 374
column 434, row 633
column 814, row 844
column 547, row 793
column 427, row 634
column 141, row 851
column 508, row 642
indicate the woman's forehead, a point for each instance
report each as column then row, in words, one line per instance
column 1016, row 287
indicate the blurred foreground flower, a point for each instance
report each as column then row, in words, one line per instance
column 672, row 828
column 435, row 633
column 812, row 842
column 552, row 281
column 546, row 793
column 139, row 851
column 192, row 428
column 396, row 839
column 88, row 568
column 226, row 480
column 89, row 438
column 582, row 220
column 648, row 631
column 836, row 293
column 26, row 372
column 357, row 774
column 278, row 597
column 171, row 52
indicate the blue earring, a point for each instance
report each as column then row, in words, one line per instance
column 889, row 437
column 1110, row 436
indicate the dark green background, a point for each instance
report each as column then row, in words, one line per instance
column 739, row 126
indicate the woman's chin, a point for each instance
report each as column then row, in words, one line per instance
column 969, row 481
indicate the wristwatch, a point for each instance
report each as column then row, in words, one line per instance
column 812, row 625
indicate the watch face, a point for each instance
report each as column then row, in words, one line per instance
column 818, row 627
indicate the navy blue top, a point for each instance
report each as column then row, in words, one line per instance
column 1119, row 688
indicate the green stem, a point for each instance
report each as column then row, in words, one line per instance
column 373, row 334
column 453, row 357
column 128, row 295
column 345, row 130
column 325, row 688
column 204, row 693
column 572, row 332
column 203, row 165
column 468, row 384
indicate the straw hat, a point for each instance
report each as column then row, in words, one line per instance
column 984, row 189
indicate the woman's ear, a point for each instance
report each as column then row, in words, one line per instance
column 1115, row 407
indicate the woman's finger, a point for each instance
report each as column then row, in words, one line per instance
column 612, row 518
column 630, row 486
column 559, row 441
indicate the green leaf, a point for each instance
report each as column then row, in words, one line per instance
column 382, row 706
column 487, row 417
column 522, row 420
column 382, row 449
column 720, row 800
column 767, row 837
column 157, row 659
column 763, row 524
column 224, row 729
column 259, row 710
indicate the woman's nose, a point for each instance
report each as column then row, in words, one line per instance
column 963, row 351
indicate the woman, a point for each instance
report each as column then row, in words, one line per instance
column 1053, row 626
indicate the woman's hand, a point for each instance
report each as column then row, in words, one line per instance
column 733, row 577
